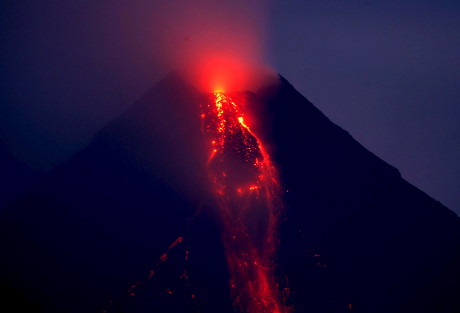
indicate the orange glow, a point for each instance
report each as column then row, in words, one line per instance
column 222, row 73
column 219, row 45
column 247, row 193
column 138, row 285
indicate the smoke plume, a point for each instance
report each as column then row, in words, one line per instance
column 218, row 45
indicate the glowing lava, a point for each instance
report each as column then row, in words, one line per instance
column 247, row 190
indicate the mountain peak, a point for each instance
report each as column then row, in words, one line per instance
column 354, row 235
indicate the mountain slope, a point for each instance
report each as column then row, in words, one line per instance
column 355, row 235
column 387, row 245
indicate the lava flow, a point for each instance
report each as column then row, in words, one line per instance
column 247, row 190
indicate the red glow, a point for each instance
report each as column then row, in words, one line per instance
column 223, row 73
column 247, row 193
column 218, row 44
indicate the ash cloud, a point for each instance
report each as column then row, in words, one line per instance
column 217, row 45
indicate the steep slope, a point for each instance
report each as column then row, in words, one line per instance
column 387, row 245
column 355, row 236
column 97, row 222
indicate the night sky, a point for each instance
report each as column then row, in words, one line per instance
column 386, row 71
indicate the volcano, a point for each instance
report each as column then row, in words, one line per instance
column 134, row 222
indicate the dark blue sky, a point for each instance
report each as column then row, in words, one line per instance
column 386, row 71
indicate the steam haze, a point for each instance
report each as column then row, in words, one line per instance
column 218, row 44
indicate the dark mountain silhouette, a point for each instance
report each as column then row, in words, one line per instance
column 355, row 236
column 16, row 176
column 388, row 247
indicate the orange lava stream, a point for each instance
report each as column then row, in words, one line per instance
column 247, row 190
